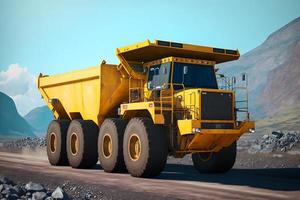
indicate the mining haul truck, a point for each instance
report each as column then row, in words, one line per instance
column 161, row 100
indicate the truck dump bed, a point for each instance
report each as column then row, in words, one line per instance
column 85, row 93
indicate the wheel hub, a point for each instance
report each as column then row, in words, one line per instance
column 134, row 147
column 107, row 146
column 53, row 142
column 74, row 143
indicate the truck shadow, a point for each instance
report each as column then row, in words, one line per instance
column 284, row 179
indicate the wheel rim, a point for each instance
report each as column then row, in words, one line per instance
column 53, row 142
column 74, row 143
column 205, row 156
column 107, row 146
column 134, row 147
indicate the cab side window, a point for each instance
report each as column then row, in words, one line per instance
column 159, row 76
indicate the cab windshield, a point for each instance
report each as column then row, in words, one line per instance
column 189, row 75
column 194, row 75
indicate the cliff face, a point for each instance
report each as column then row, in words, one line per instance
column 282, row 88
column 12, row 125
column 273, row 69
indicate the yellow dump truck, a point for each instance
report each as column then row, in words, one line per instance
column 162, row 99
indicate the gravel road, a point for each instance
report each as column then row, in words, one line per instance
column 176, row 182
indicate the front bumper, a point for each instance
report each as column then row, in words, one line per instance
column 194, row 126
column 212, row 140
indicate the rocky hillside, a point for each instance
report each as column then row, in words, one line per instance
column 12, row 125
column 283, row 83
column 39, row 118
column 274, row 70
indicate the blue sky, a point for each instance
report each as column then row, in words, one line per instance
column 52, row 36
column 57, row 36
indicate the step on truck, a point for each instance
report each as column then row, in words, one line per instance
column 161, row 100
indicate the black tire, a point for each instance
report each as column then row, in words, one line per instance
column 56, row 142
column 152, row 157
column 219, row 162
column 111, row 157
column 82, row 143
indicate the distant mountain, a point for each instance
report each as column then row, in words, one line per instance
column 39, row 118
column 274, row 73
column 12, row 125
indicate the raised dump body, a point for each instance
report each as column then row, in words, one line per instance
column 85, row 94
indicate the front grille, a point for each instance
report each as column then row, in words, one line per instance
column 217, row 125
column 216, row 106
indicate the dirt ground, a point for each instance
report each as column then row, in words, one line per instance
column 273, row 175
column 280, row 180
column 245, row 160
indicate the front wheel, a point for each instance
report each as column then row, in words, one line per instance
column 215, row 162
column 145, row 148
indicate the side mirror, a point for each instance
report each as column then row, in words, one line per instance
column 185, row 70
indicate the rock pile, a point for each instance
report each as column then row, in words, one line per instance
column 34, row 191
column 28, row 143
column 277, row 141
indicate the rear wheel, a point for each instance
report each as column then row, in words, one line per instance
column 82, row 143
column 56, row 142
column 110, row 145
column 215, row 162
column 145, row 148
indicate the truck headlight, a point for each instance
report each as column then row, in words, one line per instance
column 251, row 130
column 196, row 130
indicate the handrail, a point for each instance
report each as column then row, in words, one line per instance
column 166, row 97
column 170, row 87
column 139, row 95
column 139, row 88
column 229, row 83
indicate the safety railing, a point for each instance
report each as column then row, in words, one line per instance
column 192, row 106
column 238, row 84
column 168, row 102
column 136, row 92
column 164, row 99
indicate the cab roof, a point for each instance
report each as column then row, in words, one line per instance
column 147, row 51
